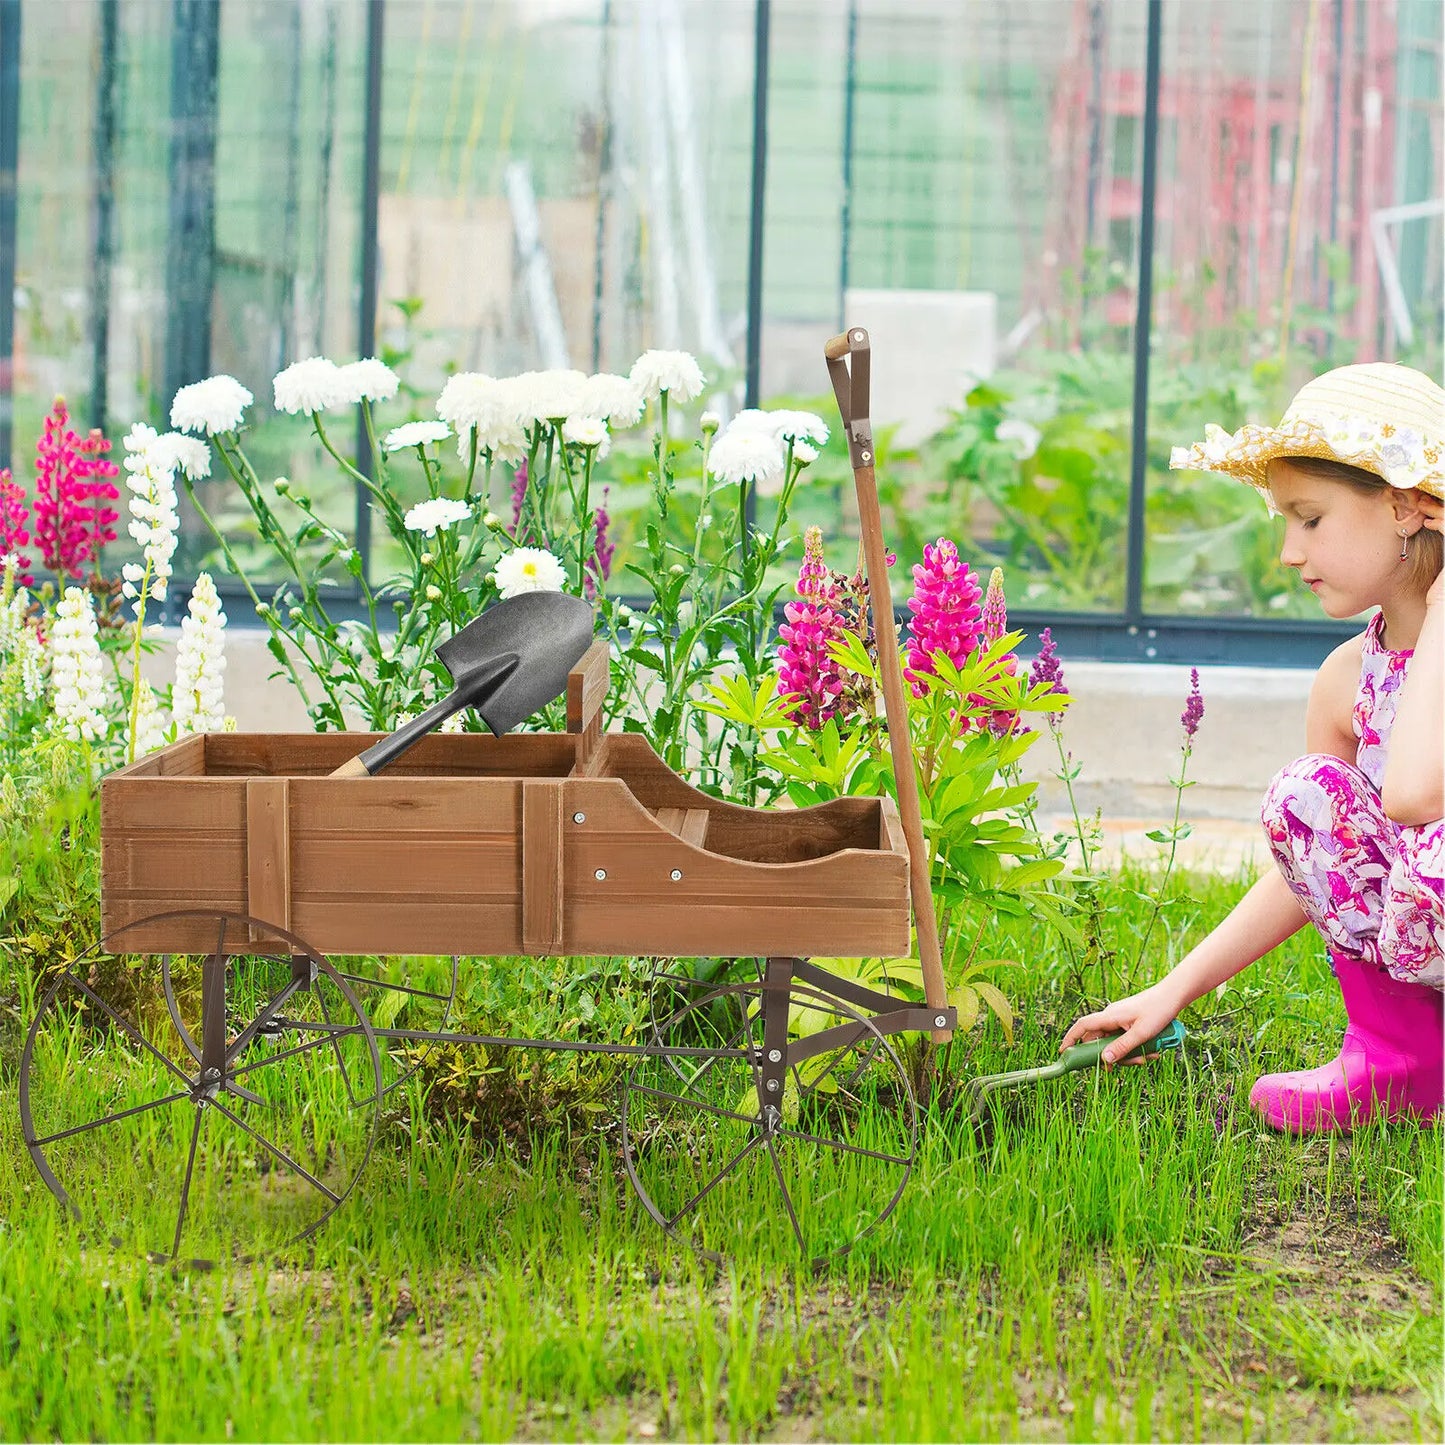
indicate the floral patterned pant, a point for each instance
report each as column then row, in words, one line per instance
column 1371, row 887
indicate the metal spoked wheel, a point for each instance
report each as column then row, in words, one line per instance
column 230, row 1114
column 803, row 1176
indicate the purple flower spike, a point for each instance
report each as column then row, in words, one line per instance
column 1048, row 669
column 807, row 673
column 1194, row 708
column 995, row 609
column 519, row 493
column 946, row 615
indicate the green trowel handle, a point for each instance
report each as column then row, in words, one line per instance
column 1085, row 1056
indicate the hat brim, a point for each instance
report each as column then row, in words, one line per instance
column 1400, row 456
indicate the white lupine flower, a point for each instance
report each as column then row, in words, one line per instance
column 315, row 384
column 196, row 700
column 613, row 398
column 153, row 512
column 21, row 651
column 1024, row 435
column 675, row 372
column 745, row 454
column 214, row 405
column 415, row 434
column 77, row 672
column 528, row 569
column 150, row 721
column 368, row 380
column 436, row 515
column 28, row 656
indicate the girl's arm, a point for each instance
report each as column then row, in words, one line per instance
column 1261, row 920
column 1414, row 786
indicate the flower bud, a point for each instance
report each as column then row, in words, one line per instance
column 710, row 422
column 433, row 594
column 491, row 520
column 677, row 569
column 428, row 559
column 283, row 486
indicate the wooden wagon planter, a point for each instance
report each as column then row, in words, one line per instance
column 252, row 1084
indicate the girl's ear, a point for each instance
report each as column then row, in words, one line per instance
column 1414, row 508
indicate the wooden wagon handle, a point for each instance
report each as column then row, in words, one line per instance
column 850, row 386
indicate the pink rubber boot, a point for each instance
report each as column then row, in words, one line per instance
column 1392, row 1059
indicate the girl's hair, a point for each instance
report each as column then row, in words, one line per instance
column 1426, row 547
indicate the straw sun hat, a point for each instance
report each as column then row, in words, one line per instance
column 1386, row 419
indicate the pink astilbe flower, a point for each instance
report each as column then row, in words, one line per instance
column 946, row 615
column 599, row 564
column 1048, row 669
column 13, row 533
column 808, row 675
column 519, row 493
column 72, row 487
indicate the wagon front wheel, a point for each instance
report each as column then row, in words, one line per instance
column 801, row 1172
column 206, row 1105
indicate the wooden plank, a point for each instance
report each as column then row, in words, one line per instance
column 268, row 853
column 541, row 867
column 690, row 824
column 438, row 755
column 587, row 686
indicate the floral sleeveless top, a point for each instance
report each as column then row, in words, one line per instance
column 1382, row 675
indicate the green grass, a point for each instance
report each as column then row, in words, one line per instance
column 1123, row 1256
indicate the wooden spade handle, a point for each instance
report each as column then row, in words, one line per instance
column 836, row 347
column 352, row 768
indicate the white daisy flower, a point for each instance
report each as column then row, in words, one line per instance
column 77, row 671
column 436, row 515
column 415, row 434
column 214, row 405
column 675, row 372
column 174, row 451
column 310, row 386
column 528, row 569
column 368, row 380
column 547, row 396
column 584, row 431
column 745, row 454
column 200, row 662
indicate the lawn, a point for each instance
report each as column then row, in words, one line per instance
column 1104, row 1257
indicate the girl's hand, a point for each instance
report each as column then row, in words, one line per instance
column 1140, row 1017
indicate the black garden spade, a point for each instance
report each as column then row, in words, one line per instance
column 506, row 664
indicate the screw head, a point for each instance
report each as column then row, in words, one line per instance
column 940, row 1022
column 579, row 817
column 600, row 874
column 772, row 1086
column 775, row 1056
column 867, row 456
column 675, row 875
column 857, row 336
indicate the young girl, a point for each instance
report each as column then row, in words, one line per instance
column 1355, row 468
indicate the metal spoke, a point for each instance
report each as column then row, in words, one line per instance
column 394, row 987
column 718, row 1179
column 174, row 1009
column 111, row 1118
column 186, row 1185
column 691, row 1103
column 264, row 1017
column 730, row 1051
column 281, row 1154
column 324, row 1041
column 130, row 1029
column 787, row 1198
column 336, row 1049
column 843, row 1148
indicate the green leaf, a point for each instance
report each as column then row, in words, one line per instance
column 1000, row 1006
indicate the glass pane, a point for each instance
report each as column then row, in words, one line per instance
column 1315, row 127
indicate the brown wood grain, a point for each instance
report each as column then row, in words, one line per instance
column 587, row 686
column 268, row 853
column 542, row 867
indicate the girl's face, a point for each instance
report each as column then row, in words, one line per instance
column 1344, row 543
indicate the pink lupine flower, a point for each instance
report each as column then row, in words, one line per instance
column 13, row 533
column 995, row 609
column 72, row 486
column 807, row 673
column 599, row 564
column 946, row 614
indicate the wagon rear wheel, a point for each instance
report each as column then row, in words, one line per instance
column 802, row 1173
column 207, row 1105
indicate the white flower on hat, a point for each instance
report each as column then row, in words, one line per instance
column 675, row 372
column 214, row 405
column 528, row 569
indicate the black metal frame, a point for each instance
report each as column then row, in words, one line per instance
column 1129, row 634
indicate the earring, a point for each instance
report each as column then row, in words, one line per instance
column 1404, row 546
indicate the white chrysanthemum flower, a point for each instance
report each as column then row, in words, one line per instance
column 547, row 396
column 474, row 402
column 174, row 451
column 613, row 398
column 436, row 515
column 805, row 453
column 1024, row 435
column 368, row 380
column 214, row 405
column 77, row 671
column 528, row 569
column 784, row 425
column 415, row 434
column 745, row 454
column 675, row 372
column 150, row 721
column 587, row 431
column 150, row 461
column 309, row 386
column 196, row 700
